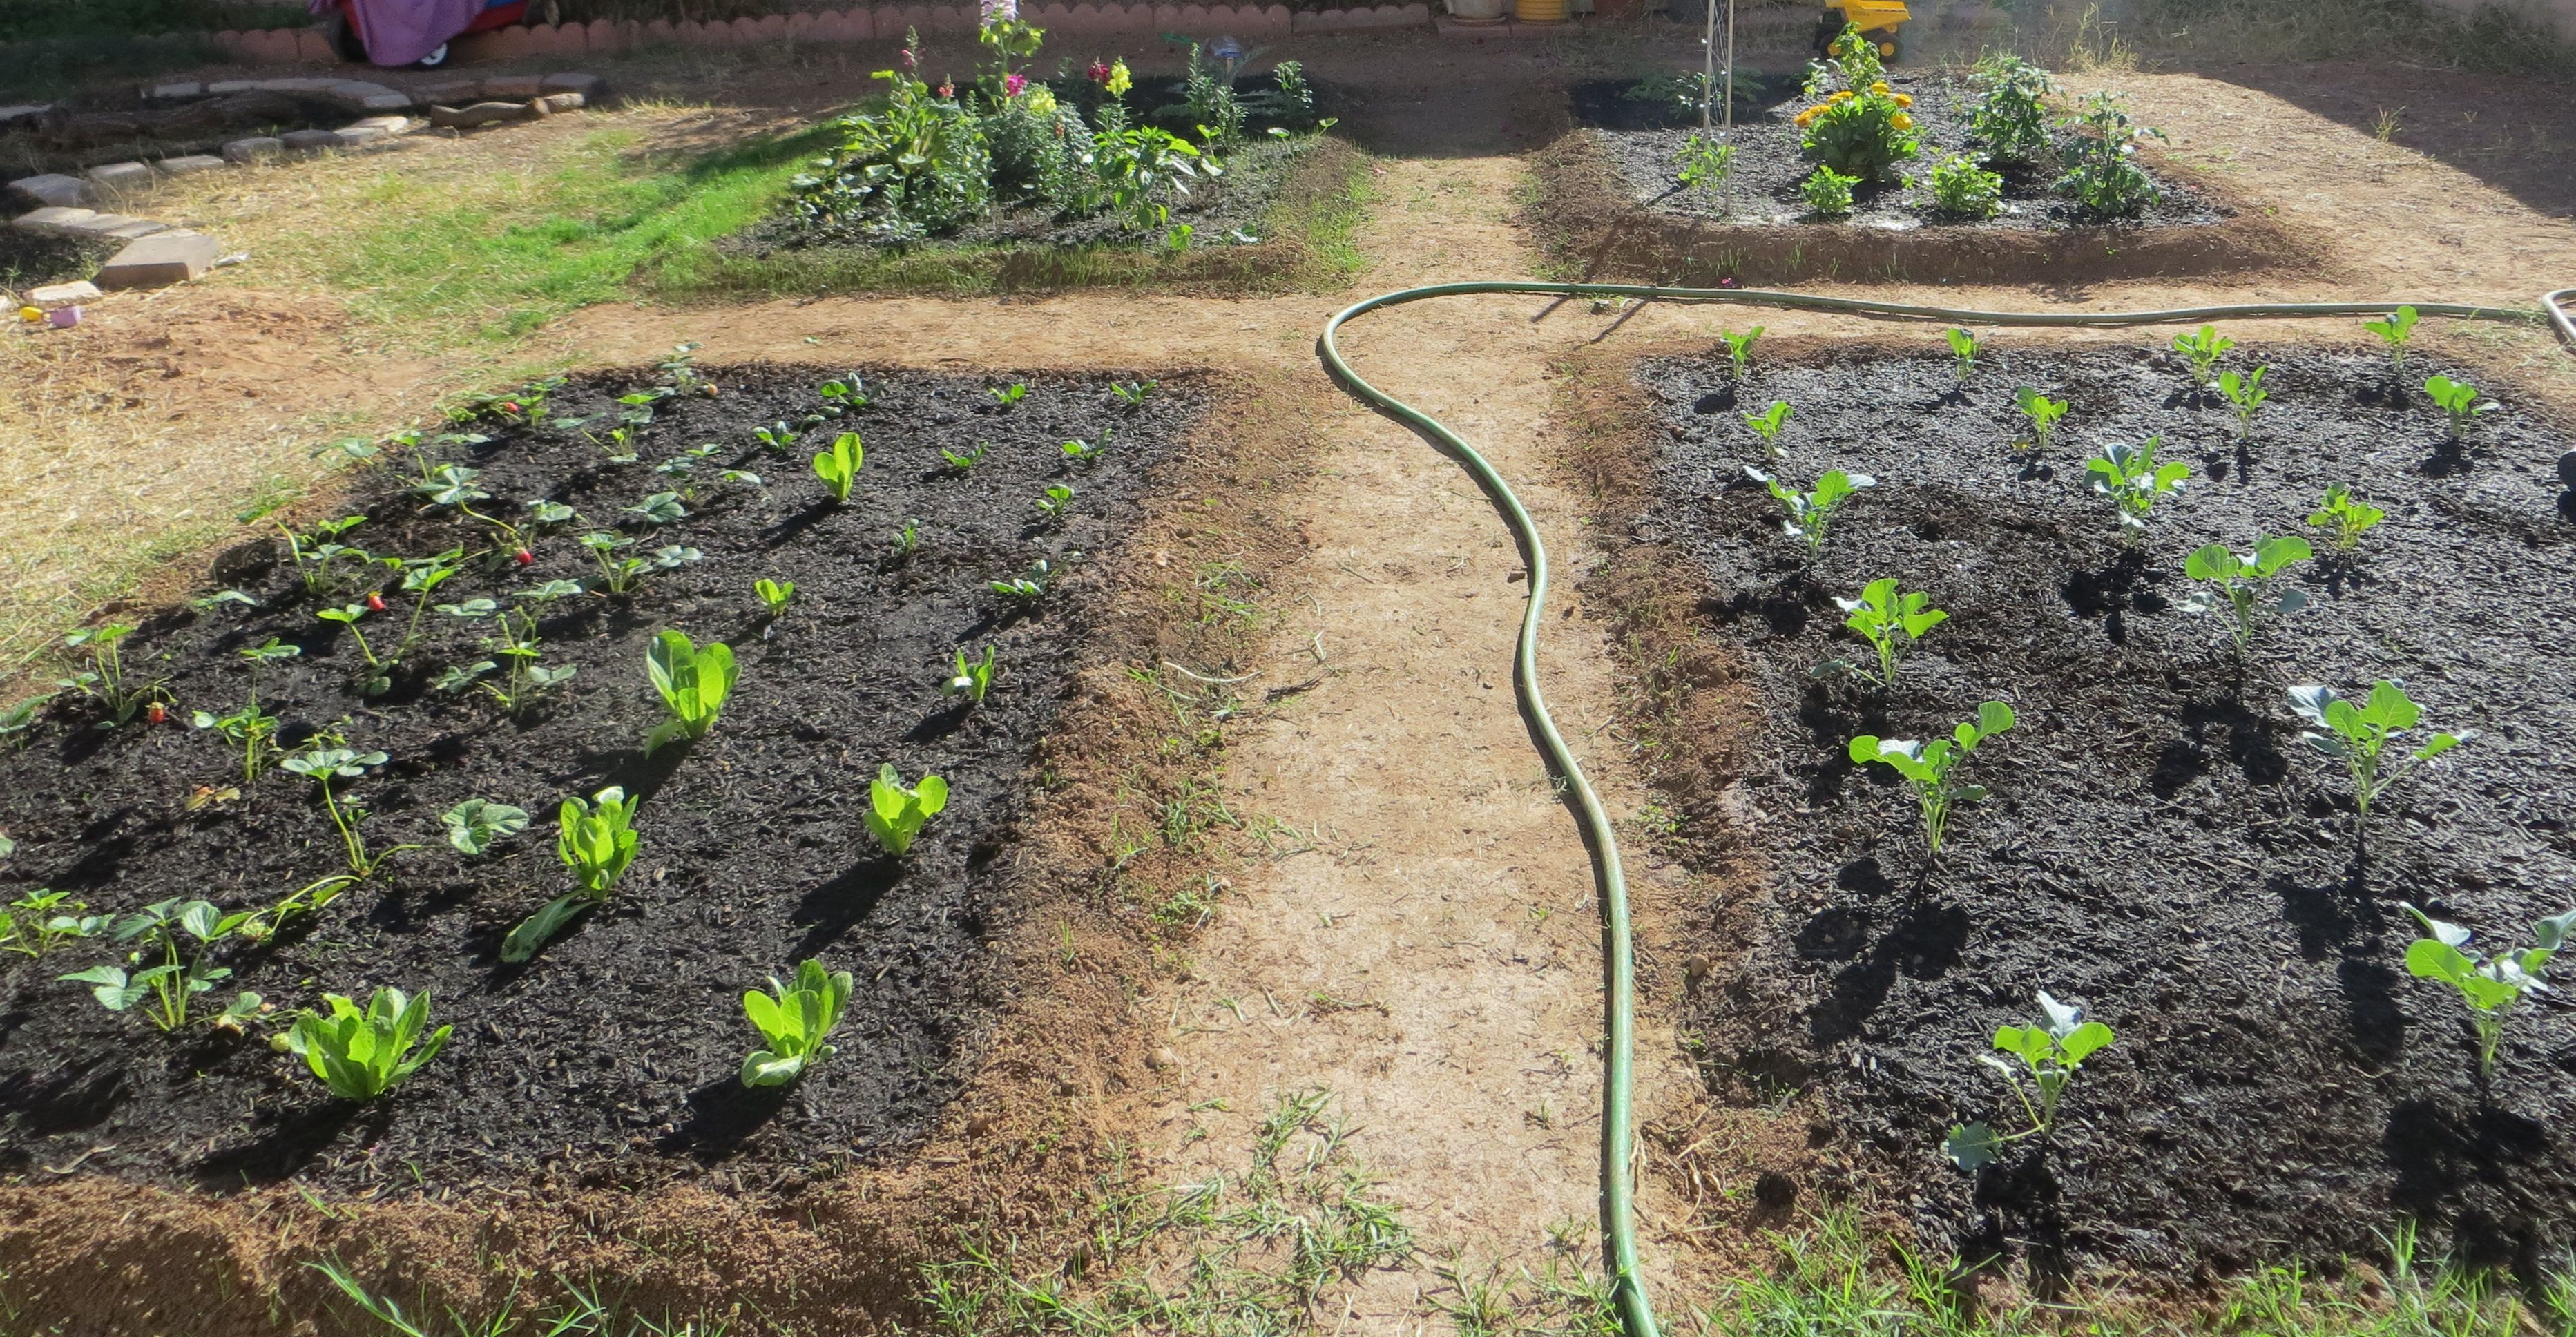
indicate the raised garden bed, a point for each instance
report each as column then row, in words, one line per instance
column 2158, row 845
column 616, row 1048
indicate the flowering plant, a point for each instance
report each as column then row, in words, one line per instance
column 1865, row 128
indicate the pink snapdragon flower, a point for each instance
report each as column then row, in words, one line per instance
column 948, row 90
column 1013, row 84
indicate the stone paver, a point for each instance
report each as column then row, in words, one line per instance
column 24, row 111
column 153, row 262
column 51, row 189
column 225, row 87
column 54, row 220
column 53, row 295
column 514, row 86
column 176, row 91
column 117, row 177
column 590, row 86
column 481, row 113
column 310, row 141
column 189, row 165
column 258, row 148
column 361, row 134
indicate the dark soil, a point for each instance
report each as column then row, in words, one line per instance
column 613, row 1054
column 34, row 259
column 1644, row 142
column 100, row 127
column 2159, row 846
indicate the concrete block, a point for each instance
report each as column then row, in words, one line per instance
column 257, row 148
column 176, row 92
column 24, row 111
column 134, row 230
column 118, row 177
column 62, row 294
column 188, row 165
column 555, row 102
column 50, row 189
column 591, row 87
column 159, row 261
column 228, row 87
column 361, row 134
column 513, row 87
column 310, row 141
column 54, row 220
column 391, row 125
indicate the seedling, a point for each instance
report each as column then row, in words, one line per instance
column 596, row 840
column 620, row 571
column 972, row 680
column 2394, row 332
column 2246, row 392
column 317, row 556
column 1705, row 165
column 2043, row 414
column 1053, row 507
column 362, row 1055
column 1811, row 512
column 2490, row 986
column 526, row 680
column 1739, row 350
column 331, row 758
column 168, row 990
column 1132, row 394
column 2051, row 1053
column 1827, row 193
column 1084, row 452
column 774, row 594
column 261, row 925
column 661, row 508
column 1767, row 425
column 43, row 920
column 379, row 677
column 105, row 680
column 2349, row 519
column 2459, row 399
column 838, row 467
column 778, row 436
column 1007, row 395
column 793, row 1021
column 1931, row 767
column 1964, row 348
column 896, row 814
column 907, row 540
column 2204, row 347
column 251, row 729
column 421, row 578
column 964, row 462
column 544, row 514
column 1889, row 621
column 2360, row 735
column 694, row 682
column 842, row 396
column 2131, row 478
column 474, row 825
column 1028, row 589
column 2237, row 582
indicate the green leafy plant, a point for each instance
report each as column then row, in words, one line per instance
column 1827, row 193
column 1810, row 512
column 2131, row 478
column 972, row 680
column 43, row 920
column 1132, row 394
column 1864, row 128
column 621, row 571
column 2042, row 413
column 1705, row 165
column 774, row 595
column 2491, row 986
column 516, row 644
column 326, row 759
column 2237, row 582
column 250, row 728
column 793, row 1021
column 2246, row 392
column 2393, row 333
column 2010, row 112
column 178, row 931
column 838, row 466
column 2360, row 735
column 2204, row 346
column 1027, row 590
column 105, row 680
column 1932, row 768
column 964, row 462
column 661, row 508
column 2103, row 173
column 916, row 168
column 261, row 925
column 595, row 839
column 2347, row 517
column 1007, row 395
column 475, row 825
column 1962, row 187
column 1084, row 452
column 1055, row 504
column 778, row 437
column 1890, row 622
column 320, row 557
column 2459, row 399
column 896, row 814
column 359, row 1054
column 694, row 682
column 1964, row 348
column 1767, row 425
column 1739, row 350
column 2051, row 1053
column 841, row 396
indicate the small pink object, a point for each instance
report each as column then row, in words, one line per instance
column 63, row 317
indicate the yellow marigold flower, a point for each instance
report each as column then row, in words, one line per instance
column 1879, row 88
column 1901, row 121
column 1841, row 95
column 1904, row 100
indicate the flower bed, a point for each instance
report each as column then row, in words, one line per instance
column 2157, row 844
column 620, row 1041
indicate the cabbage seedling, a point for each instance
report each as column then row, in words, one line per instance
column 2459, row 399
column 774, row 594
column 2348, row 518
column 694, row 682
column 1931, row 767
column 2051, row 1053
column 1889, row 621
column 842, row 396
column 361, row 1055
column 330, row 758
column 2131, row 478
column 2043, row 413
column 778, row 436
column 896, row 814
column 2237, row 581
column 475, row 824
column 169, row 989
column 793, row 1021
column 1810, row 512
column 2204, row 347
column 2360, row 735
column 1028, row 589
column 1964, row 348
column 964, row 462
column 596, row 840
column 1084, row 452
column 1739, row 350
column 2246, row 392
column 972, row 680
column 43, row 920
column 2394, row 332
column 2490, row 986
column 1767, row 425
column 838, row 467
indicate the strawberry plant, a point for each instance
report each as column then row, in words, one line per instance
column 694, row 682
column 659, row 509
column 2237, row 582
column 379, row 675
column 838, row 466
column 2393, row 333
column 2204, row 346
column 1767, row 425
column 2051, row 1053
column 261, row 925
column 43, row 920
column 361, row 1055
column 327, row 758
column 105, row 679
column 250, row 728
column 2042, row 413
column 2348, row 518
column 2491, row 986
column 1739, row 350
column 972, row 680
column 1890, row 622
column 2131, row 478
column 318, row 557
column 793, row 1021
column 179, row 931
column 774, row 594
column 596, row 840
column 621, row 571
column 1810, row 512
column 1931, row 768
column 2459, row 399
column 474, row 825
column 2360, row 735
column 2246, row 392
column 896, row 814
column 964, row 462
column 1964, row 347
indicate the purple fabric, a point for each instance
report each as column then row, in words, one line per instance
column 399, row 32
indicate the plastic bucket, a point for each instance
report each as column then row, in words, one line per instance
column 1539, row 11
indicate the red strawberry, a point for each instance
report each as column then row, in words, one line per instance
column 375, row 602
column 156, row 713
column 524, row 557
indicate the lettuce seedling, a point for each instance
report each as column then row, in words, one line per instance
column 972, row 680
column 1964, row 348
column 2043, row 413
column 2131, row 478
column 1739, row 350
column 1767, row 425
column 2460, row 400
column 43, row 920
column 2051, row 1053
column 2246, row 392
column 2204, row 347
column 774, row 594
column 2394, row 332
column 1810, row 512
column 168, row 990
column 793, row 1021
column 838, row 467
column 2348, row 518
column 694, row 682
column 1053, row 507
column 362, row 1055
column 1931, row 767
column 2360, row 735
column 896, row 814
column 1888, row 621
column 473, row 825
column 964, row 462
column 596, row 840
column 2490, row 986
column 2237, row 581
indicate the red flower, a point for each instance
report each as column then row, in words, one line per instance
column 948, row 90
column 1099, row 71
column 156, row 713
column 375, row 602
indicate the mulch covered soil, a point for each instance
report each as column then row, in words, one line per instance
column 1643, row 141
column 614, row 1053
column 2159, row 846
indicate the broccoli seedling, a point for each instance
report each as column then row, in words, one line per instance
column 361, row 1055
column 972, row 680
column 896, row 814
column 2051, row 1054
column 1084, row 452
column 1811, row 512
column 2489, row 985
column 2043, row 414
column 2360, row 735
column 1007, row 395
column 694, row 682
column 1028, row 590
column 1132, row 394
column 1739, row 350
column 1964, row 348
column 2204, row 347
column 907, row 540
column 1931, row 768
column 964, row 462
column 2394, row 333
column 2237, row 581
column 2246, row 392
column 2131, row 478
column 1889, row 622
column 792, row 1021
column 1767, row 425
column 2349, row 519
column 838, row 467
column 1055, row 505
column 2459, row 399
column 842, row 396
column 778, row 436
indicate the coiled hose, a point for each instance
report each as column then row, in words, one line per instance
column 1618, row 966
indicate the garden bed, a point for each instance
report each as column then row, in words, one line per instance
column 614, row 1052
column 2158, row 845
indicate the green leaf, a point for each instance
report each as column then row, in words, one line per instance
column 2084, row 1041
column 534, row 932
column 1971, row 1147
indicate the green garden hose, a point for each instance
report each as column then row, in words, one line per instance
column 1618, row 1216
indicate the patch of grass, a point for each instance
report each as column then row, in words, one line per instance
column 582, row 1314
column 47, row 67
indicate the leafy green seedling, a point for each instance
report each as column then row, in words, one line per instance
column 1007, row 395
column 774, row 594
column 2349, row 519
column 1055, row 505
column 661, row 508
column 842, row 396
column 2489, row 985
column 896, row 814
column 1132, row 394
column 694, row 682
column 1084, row 452
column 2237, row 582
column 972, row 680
column 168, row 990
column 1767, row 425
column 1964, row 348
column 2131, row 478
column 793, row 1021
column 474, row 825
column 2460, row 400
column 1811, row 512
column 361, row 1055
column 838, row 467
column 1889, row 621
column 596, row 840
column 250, row 729
column 778, row 436
column 964, row 462
column 2043, row 414
column 261, row 925
column 1739, row 350
column 907, row 540
column 2360, row 735
column 105, row 680
column 1931, row 767
column 1028, row 589
column 2394, row 332
column 2246, row 392
column 2204, row 347
column 2051, row 1053
column 621, row 571
column 43, row 920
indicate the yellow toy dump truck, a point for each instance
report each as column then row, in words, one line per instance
column 1878, row 20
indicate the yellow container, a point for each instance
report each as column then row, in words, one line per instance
column 1873, row 16
column 1539, row 11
